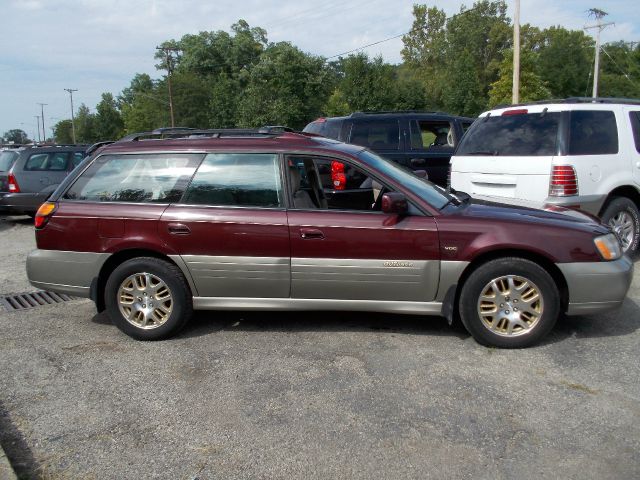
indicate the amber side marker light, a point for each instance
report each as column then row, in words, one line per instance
column 608, row 246
column 44, row 214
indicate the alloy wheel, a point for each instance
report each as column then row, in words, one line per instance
column 624, row 227
column 145, row 300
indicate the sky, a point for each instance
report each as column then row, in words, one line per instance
column 98, row 46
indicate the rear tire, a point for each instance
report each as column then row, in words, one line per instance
column 148, row 298
column 509, row 303
column 622, row 215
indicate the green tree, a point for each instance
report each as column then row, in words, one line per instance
column 620, row 71
column 62, row 132
column 85, row 125
column 223, row 102
column 16, row 135
column 144, row 105
column 286, row 87
column 108, row 121
column 532, row 87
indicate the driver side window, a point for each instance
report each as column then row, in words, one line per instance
column 331, row 184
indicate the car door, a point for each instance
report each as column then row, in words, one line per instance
column 341, row 249
column 230, row 228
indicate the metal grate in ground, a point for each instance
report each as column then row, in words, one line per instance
column 24, row 301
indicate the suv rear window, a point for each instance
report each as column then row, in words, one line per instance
column 533, row 134
column 382, row 135
column 237, row 179
column 147, row 178
column 593, row 133
column 6, row 160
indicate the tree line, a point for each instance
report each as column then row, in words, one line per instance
column 461, row 65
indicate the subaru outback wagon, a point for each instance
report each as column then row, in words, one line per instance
column 151, row 228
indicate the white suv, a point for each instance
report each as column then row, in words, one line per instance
column 576, row 153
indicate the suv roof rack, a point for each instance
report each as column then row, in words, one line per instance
column 187, row 132
column 383, row 112
column 96, row 146
column 569, row 100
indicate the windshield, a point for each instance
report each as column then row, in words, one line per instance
column 6, row 160
column 528, row 135
column 435, row 195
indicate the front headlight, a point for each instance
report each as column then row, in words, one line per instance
column 609, row 246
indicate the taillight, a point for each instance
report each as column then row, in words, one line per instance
column 44, row 213
column 564, row 181
column 338, row 178
column 13, row 184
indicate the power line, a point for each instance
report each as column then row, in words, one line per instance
column 400, row 35
column 625, row 74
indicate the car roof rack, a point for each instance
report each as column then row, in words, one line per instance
column 386, row 112
column 96, row 146
column 187, row 132
column 570, row 100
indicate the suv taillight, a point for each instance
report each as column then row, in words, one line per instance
column 338, row 178
column 44, row 213
column 564, row 181
column 13, row 184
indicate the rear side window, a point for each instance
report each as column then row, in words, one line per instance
column 329, row 128
column 146, row 178
column 635, row 126
column 428, row 135
column 77, row 158
column 382, row 135
column 593, row 132
column 527, row 135
column 6, row 160
column 54, row 161
column 237, row 179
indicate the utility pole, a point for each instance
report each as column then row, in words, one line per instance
column 599, row 26
column 73, row 121
column 169, row 60
column 44, row 132
column 37, row 117
column 515, row 93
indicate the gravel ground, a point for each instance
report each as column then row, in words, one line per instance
column 311, row 395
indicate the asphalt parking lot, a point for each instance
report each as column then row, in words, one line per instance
column 310, row 395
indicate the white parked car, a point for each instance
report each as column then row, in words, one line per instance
column 576, row 153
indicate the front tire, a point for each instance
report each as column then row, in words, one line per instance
column 509, row 303
column 148, row 298
column 622, row 215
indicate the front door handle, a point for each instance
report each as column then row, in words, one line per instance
column 178, row 229
column 311, row 234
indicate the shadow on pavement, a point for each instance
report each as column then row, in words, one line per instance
column 16, row 448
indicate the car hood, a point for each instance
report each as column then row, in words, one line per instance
column 523, row 211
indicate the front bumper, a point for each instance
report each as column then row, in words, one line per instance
column 64, row 271
column 596, row 287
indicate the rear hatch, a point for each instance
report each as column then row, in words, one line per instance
column 508, row 153
column 7, row 158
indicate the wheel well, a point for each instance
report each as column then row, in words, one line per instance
column 541, row 260
column 112, row 263
column 625, row 191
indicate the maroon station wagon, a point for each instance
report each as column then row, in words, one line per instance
column 152, row 227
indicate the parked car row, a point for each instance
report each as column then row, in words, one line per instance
column 151, row 228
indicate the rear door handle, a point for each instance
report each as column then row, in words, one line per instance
column 178, row 229
column 311, row 234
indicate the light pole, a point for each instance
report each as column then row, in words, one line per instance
column 44, row 132
column 73, row 123
column 169, row 59
column 515, row 92
column 599, row 26
column 37, row 117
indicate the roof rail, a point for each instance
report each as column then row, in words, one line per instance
column 383, row 112
column 96, row 146
column 186, row 132
column 569, row 100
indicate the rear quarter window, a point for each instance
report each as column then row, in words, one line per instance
column 593, row 132
column 144, row 178
column 524, row 135
column 377, row 135
column 54, row 161
column 635, row 127
column 6, row 160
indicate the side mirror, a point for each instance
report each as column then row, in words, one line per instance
column 417, row 162
column 394, row 202
column 421, row 174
